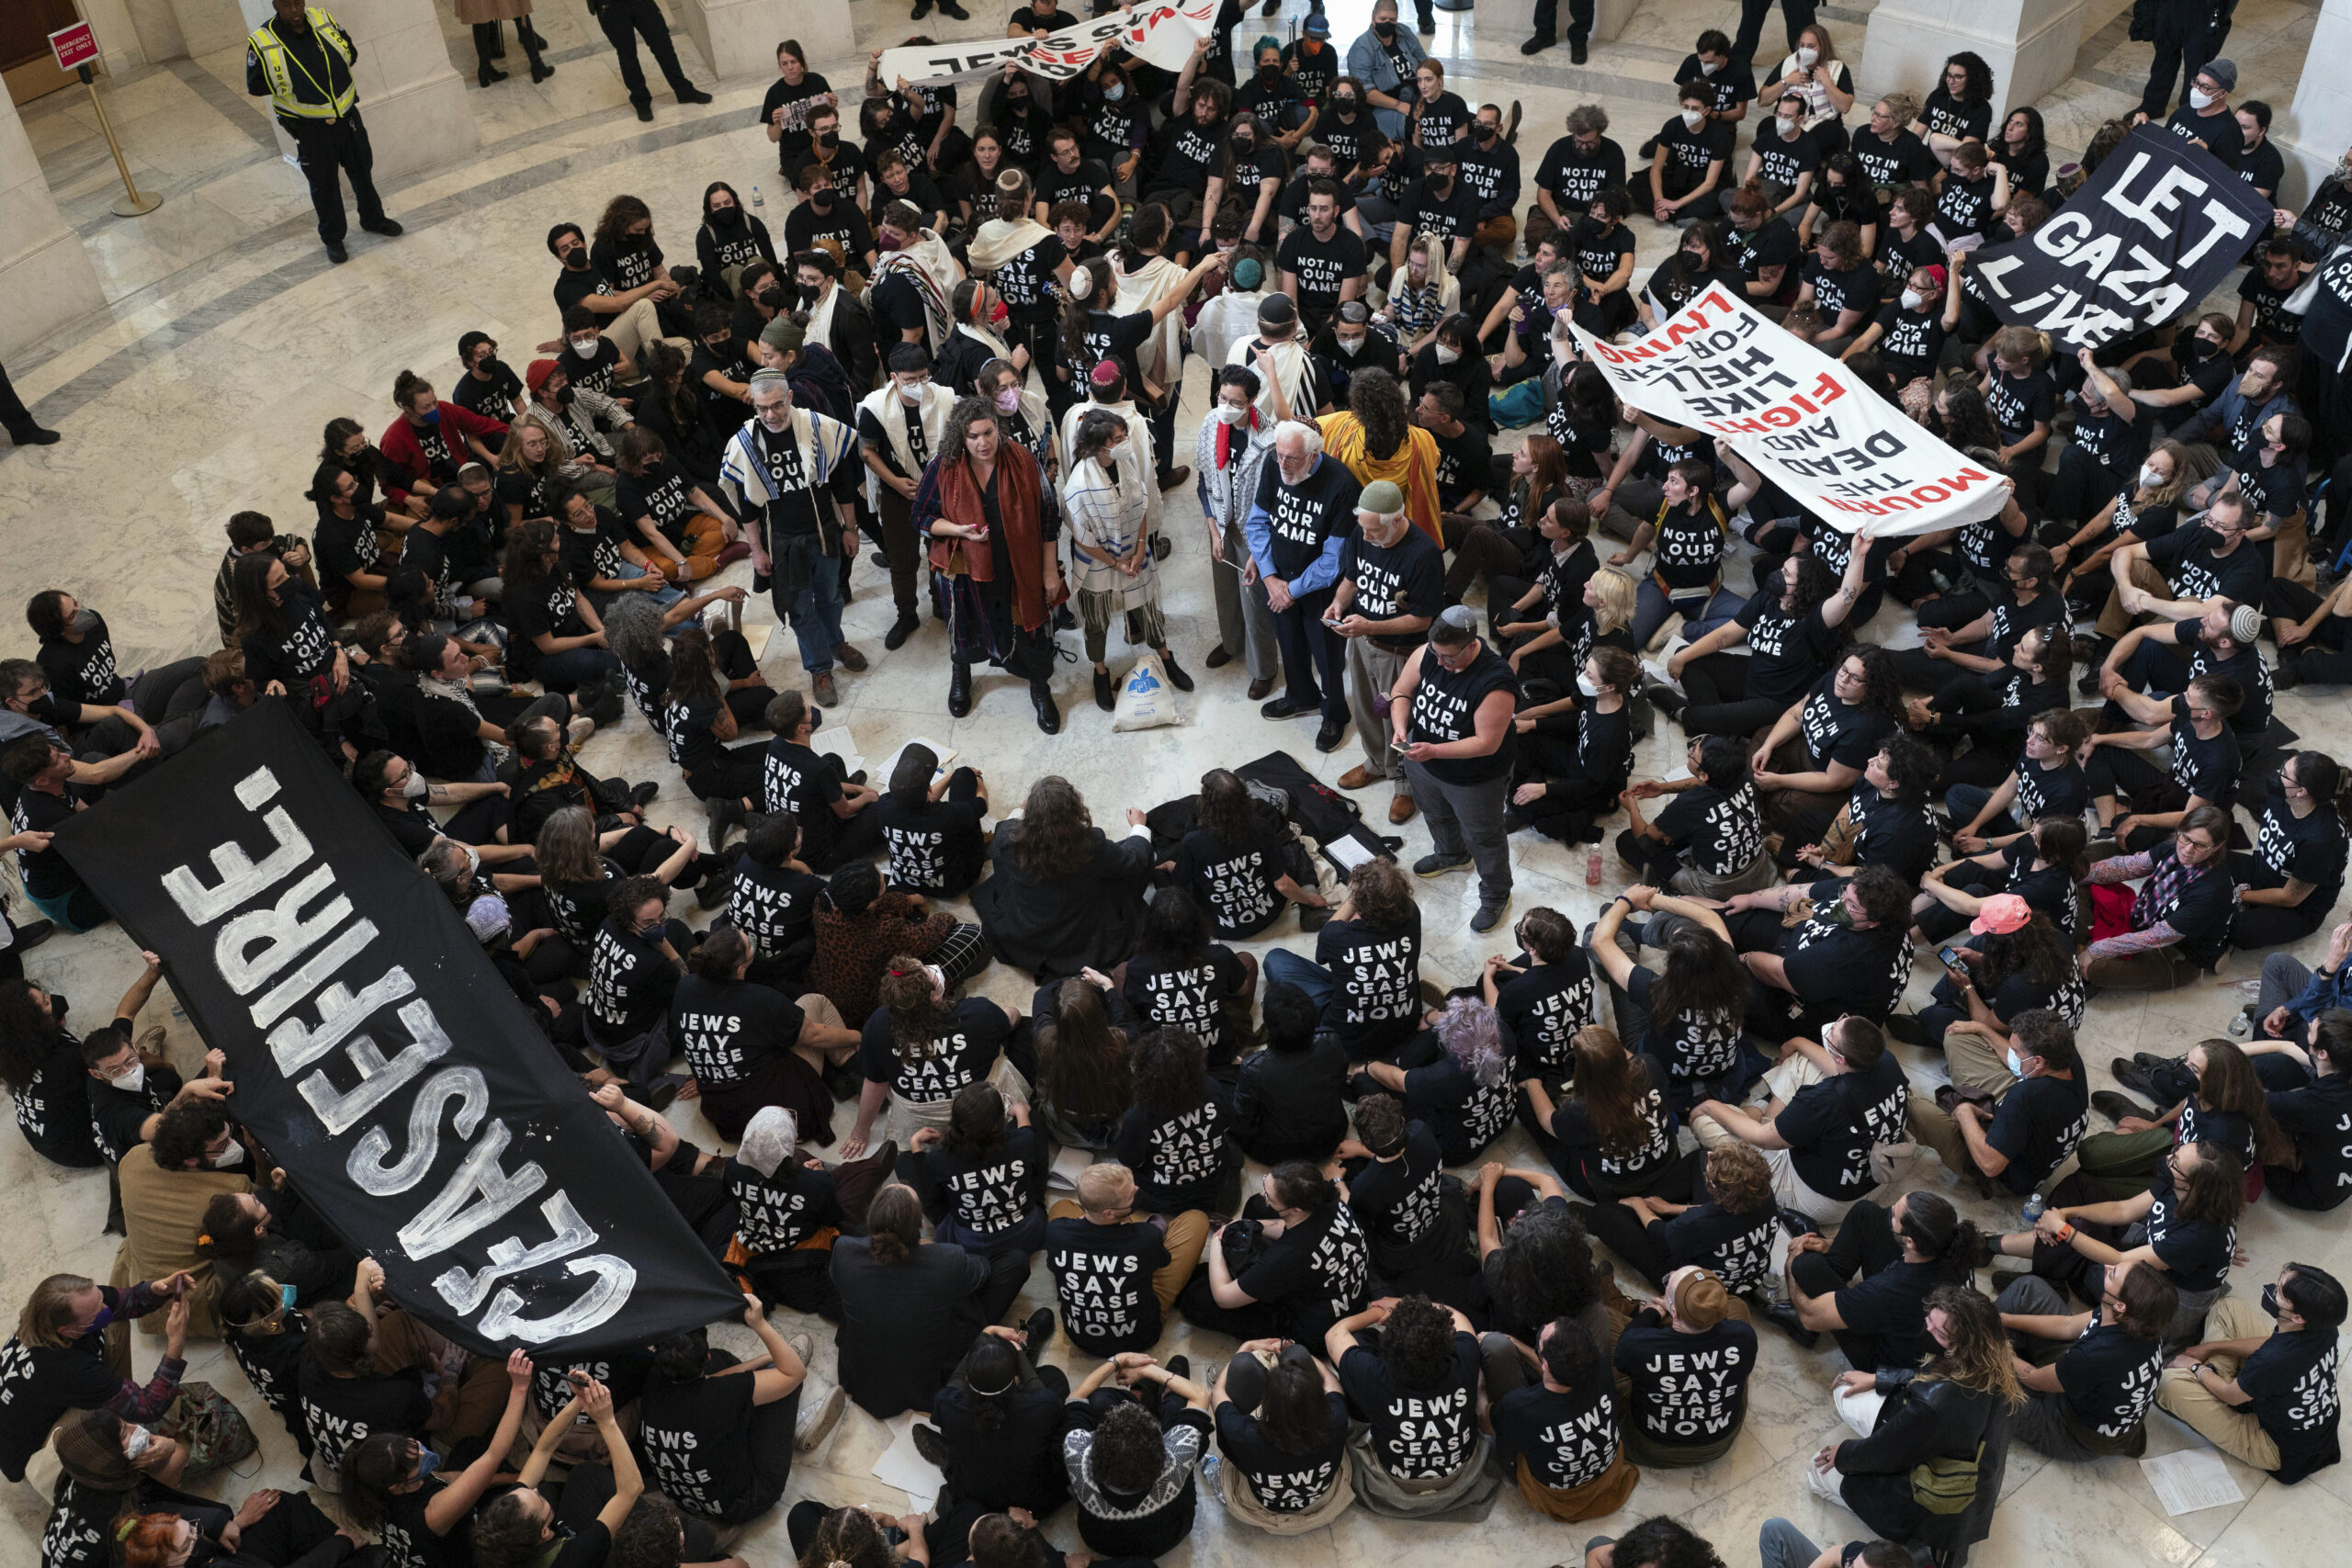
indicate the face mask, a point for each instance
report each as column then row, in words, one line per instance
column 1270, row 72
column 1447, row 355
column 132, row 1081
column 1018, row 100
column 2017, row 1069
column 427, row 1461
column 1007, row 399
column 2197, row 348
column 2150, row 479
column 728, row 217
column 2197, row 100
column 1585, row 684
column 229, row 1156
column 1693, row 116
column 807, row 293
column 1384, row 30
column 889, row 242
column 1788, row 128
column 1227, row 415
column 1113, row 93
column 57, row 1008
column 1350, row 346
column 585, row 347
column 1913, row 300
column 999, row 313
column 135, row 1442
column 1242, row 144
column 2270, row 1298
column 1489, row 133
column 822, row 198
column 414, row 787
column 830, row 138
column 433, row 414
column 1707, row 69
column 1343, row 101
column 1806, row 57
column 564, row 396
column 911, row 396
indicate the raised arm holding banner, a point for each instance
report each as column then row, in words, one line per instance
column 381, row 1059
column 1839, row 450
column 1160, row 34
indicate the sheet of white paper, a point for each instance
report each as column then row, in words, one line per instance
column 1350, row 852
column 1069, row 1165
column 902, row 1467
column 835, row 740
column 2190, row 1479
column 946, row 754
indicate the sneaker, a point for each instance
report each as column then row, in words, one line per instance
column 1490, row 915
column 1438, row 865
column 931, row 1444
column 1332, row 732
column 816, row 1424
column 1179, row 1366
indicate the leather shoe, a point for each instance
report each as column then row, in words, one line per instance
column 1328, row 737
column 387, row 228
column 1218, row 659
column 337, row 254
column 1049, row 717
column 1537, row 44
column 959, row 689
column 820, row 686
column 1103, row 698
column 1178, row 676
column 1783, row 1317
column 1175, row 476
column 34, row 435
column 33, row 935
column 1354, row 778
column 850, row 659
column 1288, row 708
column 645, row 113
column 693, row 96
column 2137, row 1078
column 2107, row 1102
column 1401, row 809
column 2150, row 1059
column 1576, row 51
column 641, row 794
column 1258, row 689
column 901, row 629
column 1039, row 1332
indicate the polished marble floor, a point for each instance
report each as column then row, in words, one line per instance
column 231, row 342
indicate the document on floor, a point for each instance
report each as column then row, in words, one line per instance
column 1350, row 853
column 2191, row 1480
column 902, row 1467
column 946, row 754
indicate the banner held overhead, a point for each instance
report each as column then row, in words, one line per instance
column 1840, row 451
column 381, row 1059
column 1160, row 34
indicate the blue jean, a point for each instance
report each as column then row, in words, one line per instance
column 1283, row 967
column 1651, row 608
column 1781, row 1545
column 1966, row 800
column 816, row 611
column 575, row 667
column 661, row 598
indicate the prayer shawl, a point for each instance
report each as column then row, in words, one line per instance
column 888, row 412
column 1161, row 357
column 821, row 319
column 1110, row 515
column 998, row 242
column 1018, row 498
column 1140, row 445
column 1228, row 319
column 1412, row 467
column 825, row 444
column 1289, row 358
column 927, row 263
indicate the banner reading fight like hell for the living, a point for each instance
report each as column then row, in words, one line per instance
column 2152, row 231
column 1160, row 33
column 379, row 1057
column 1840, row 451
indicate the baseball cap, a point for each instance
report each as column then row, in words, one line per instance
column 1318, row 25
column 2001, row 914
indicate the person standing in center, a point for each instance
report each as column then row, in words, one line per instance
column 623, row 21
column 301, row 61
column 797, row 469
column 1297, row 528
column 982, row 502
column 1392, row 584
column 1451, row 712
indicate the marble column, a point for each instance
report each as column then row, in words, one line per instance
column 739, row 36
column 2030, row 44
column 413, row 102
column 2316, row 130
column 46, row 278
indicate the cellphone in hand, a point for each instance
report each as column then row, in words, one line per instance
column 286, row 1296
column 1951, row 955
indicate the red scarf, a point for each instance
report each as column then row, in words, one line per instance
column 1017, row 504
column 1225, row 438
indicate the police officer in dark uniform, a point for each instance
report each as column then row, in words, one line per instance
column 301, row 61
column 623, row 21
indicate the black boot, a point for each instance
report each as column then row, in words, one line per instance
column 497, row 40
column 1049, row 716
column 1784, row 1318
column 540, row 68
column 484, row 33
column 527, row 33
column 959, row 689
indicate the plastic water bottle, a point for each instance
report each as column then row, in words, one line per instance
column 2032, row 1208
column 758, row 200
column 1592, row 866
column 2242, row 1025
column 1210, row 1465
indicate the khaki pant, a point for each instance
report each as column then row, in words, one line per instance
column 1789, row 1189
column 1187, row 1234
column 632, row 330
column 705, row 536
column 471, row 1393
column 2112, row 621
column 2290, row 550
column 1372, row 671
column 2235, row 1432
column 2156, row 969
column 1974, row 1066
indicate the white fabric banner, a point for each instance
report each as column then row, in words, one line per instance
column 1840, row 451
column 1160, row 33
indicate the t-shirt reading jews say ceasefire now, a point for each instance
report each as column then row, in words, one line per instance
column 1425, row 1434
column 1688, row 1388
column 1102, row 1281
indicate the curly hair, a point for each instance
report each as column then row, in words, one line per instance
column 905, row 990
column 1226, row 812
column 1171, row 1072
column 1174, row 924
column 2034, row 950
column 619, row 214
column 1739, row 1179
column 1378, row 404
column 1978, row 1356
column 1546, row 1270
column 1881, row 687
column 523, row 567
column 1472, row 1036
column 1055, row 835
column 1382, row 897
column 693, row 676
column 1417, row 1345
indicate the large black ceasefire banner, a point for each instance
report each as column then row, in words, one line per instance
column 2154, row 230
column 381, row 1059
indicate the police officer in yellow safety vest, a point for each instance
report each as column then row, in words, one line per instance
column 301, row 61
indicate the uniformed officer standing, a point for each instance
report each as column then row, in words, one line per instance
column 301, row 61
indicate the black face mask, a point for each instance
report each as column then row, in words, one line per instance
column 830, row 138
column 808, row 293
column 564, row 396
column 2269, row 1292
column 576, row 259
column 2195, row 348
column 822, row 198
column 1270, row 72
column 637, row 242
column 1019, row 101
column 57, row 1006
column 728, row 217
column 1489, row 133
column 1384, row 31
column 772, row 296
column 1442, row 184
column 1345, row 103
column 1242, row 144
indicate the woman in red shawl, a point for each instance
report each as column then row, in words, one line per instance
column 982, row 501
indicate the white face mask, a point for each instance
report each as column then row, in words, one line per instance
column 1585, row 684
column 1806, row 57
column 1913, row 300
column 1790, row 128
column 2150, row 479
column 2017, row 1069
column 585, row 347
column 1708, row 70
column 1693, row 116
column 2199, row 100
column 132, row 1081
column 229, row 1156
column 1350, row 346
column 1227, row 415
column 414, row 787
column 910, row 395
column 1447, row 355
column 135, row 1441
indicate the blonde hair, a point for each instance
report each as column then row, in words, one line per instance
column 1616, row 590
column 2022, row 342
column 1903, row 107
column 1102, row 1185
column 51, row 1308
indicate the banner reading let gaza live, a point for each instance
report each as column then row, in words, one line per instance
column 1159, row 33
column 1843, row 453
column 2154, row 230
column 380, row 1058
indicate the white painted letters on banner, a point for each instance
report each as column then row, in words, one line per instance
column 1159, row 33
